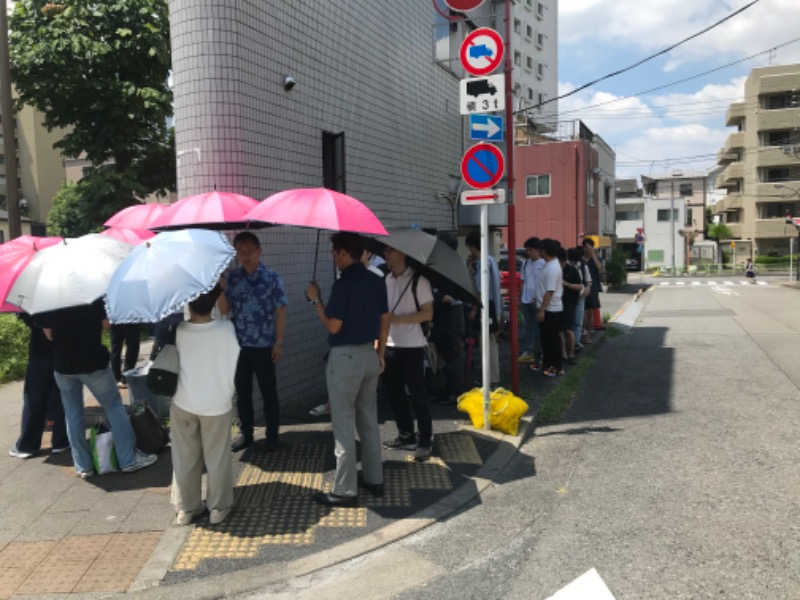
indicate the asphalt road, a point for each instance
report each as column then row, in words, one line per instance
column 674, row 474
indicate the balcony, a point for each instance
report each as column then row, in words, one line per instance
column 777, row 192
column 732, row 172
column 734, row 114
column 778, row 156
column 730, row 202
column 776, row 84
column 734, row 141
column 725, row 156
column 784, row 118
column 773, row 228
column 736, row 230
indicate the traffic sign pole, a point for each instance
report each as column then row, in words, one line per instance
column 486, row 295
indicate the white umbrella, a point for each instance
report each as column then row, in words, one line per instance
column 162, row 274
column 71, row 273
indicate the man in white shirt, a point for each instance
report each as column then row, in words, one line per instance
column 548, row 298
column 410, row 302
column 531, row 272
column 473, row 244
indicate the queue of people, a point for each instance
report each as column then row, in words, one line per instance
column 375, row 318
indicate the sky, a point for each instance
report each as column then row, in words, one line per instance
column 682, row 126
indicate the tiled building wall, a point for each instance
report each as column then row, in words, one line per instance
column 362, row 67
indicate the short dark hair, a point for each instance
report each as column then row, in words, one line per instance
column 549, row 246
column 473, row 239
column 533, row 242
column 204, row 304
column 561, row 254
column 247, row 237
column 449, row 239
column 574, row 254
column 352, row 243
column 588, row 242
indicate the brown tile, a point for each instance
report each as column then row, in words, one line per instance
column 58, row 577
column 10, row 579
column 24, row 555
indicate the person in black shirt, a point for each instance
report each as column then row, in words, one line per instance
column 40, row 395
column 573, row 288
column 79, row 358
column 356, row 316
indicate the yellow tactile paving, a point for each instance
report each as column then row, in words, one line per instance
column 458, row 448
column 92, row 563
column 273, row 502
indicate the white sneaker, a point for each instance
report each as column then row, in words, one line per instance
column 185, row 517
column 17, row 453
column 218, row 516
column 140, row 461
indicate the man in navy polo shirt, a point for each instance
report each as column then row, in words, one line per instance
column 356, row 316
column 256, row 298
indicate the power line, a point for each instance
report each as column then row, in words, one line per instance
column 644, row 60
column 685, row 79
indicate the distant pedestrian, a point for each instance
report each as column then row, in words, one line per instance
column 357, row 320
column 473, row 243
column 592, row 302
column 255, row 297
column 573, row 288
column 201, row 412
column 549, row 300
column 750, row 271
column 530, row 272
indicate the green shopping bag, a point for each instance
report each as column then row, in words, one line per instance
column 101, row 443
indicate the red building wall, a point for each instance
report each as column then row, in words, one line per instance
column 563, row 215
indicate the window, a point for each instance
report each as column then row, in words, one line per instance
column 778, row 174
column 539, row 70
column 776, row 210
column 778, row 101
column 333, row 166
column 685, row 189
column 663, row 215
column 537, row 185
column 530, row 94
column 541, row 98
column 540, row 40
column 629, row 215
column 517, row 58
column 734, row 216
column 529, row 31
column 688, row 222
column 517, row 26
column 530, row 62
column 539, row 10
column 778, row 138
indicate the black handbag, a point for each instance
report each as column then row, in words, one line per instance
column 151, row 434
column 162, row 378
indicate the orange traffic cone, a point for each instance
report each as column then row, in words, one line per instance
column 598, row 320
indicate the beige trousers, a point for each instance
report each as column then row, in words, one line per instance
column 197, row 441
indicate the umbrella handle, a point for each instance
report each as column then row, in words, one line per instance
column 316, row 258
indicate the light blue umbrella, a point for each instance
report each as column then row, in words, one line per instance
column 161, row 275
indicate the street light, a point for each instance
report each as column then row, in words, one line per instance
column 791, row 221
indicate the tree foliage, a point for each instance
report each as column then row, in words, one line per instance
column 98, row 70
column 719, row 231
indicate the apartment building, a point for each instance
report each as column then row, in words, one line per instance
column 761, row 161
column 40, row 171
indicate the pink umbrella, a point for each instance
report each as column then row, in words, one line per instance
column 5, row 307
column 134, row 237
column 138, row 216
column 15, row 256
column 319, row 208
column 214, row 210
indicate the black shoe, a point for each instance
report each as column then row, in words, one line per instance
column 401, row 443
column 376, row 489
column 334, row 500
column 270, row 445
column 240, row 443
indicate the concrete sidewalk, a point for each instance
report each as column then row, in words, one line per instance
column 114, row 534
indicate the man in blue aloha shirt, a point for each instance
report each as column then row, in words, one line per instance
column 255, row 297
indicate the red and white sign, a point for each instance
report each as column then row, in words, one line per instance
column 482, row 51
column 462, row 5
column 470, row 197
column 483, row 166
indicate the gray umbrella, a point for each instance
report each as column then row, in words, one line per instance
column 440, row 264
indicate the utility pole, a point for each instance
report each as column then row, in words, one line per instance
column 672, row 221
column 9, row 140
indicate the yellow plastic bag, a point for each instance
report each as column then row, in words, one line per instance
column 505, row 409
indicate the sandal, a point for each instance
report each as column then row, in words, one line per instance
column 320, row 411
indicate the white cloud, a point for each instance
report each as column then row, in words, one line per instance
column 607, row 112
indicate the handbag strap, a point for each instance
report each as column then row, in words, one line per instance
column 403, row 293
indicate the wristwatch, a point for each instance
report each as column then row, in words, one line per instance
column 314, row 302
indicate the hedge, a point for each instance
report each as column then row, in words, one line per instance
column 14, row 335
column 773, row 260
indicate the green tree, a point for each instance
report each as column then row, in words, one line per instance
column 719, row 231
column 99, row 71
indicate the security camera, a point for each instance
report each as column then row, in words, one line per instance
column 289, row 83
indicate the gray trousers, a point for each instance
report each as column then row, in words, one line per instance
column 352, row 376
column 197, row 441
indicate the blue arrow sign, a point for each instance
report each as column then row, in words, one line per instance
column 486, row 127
